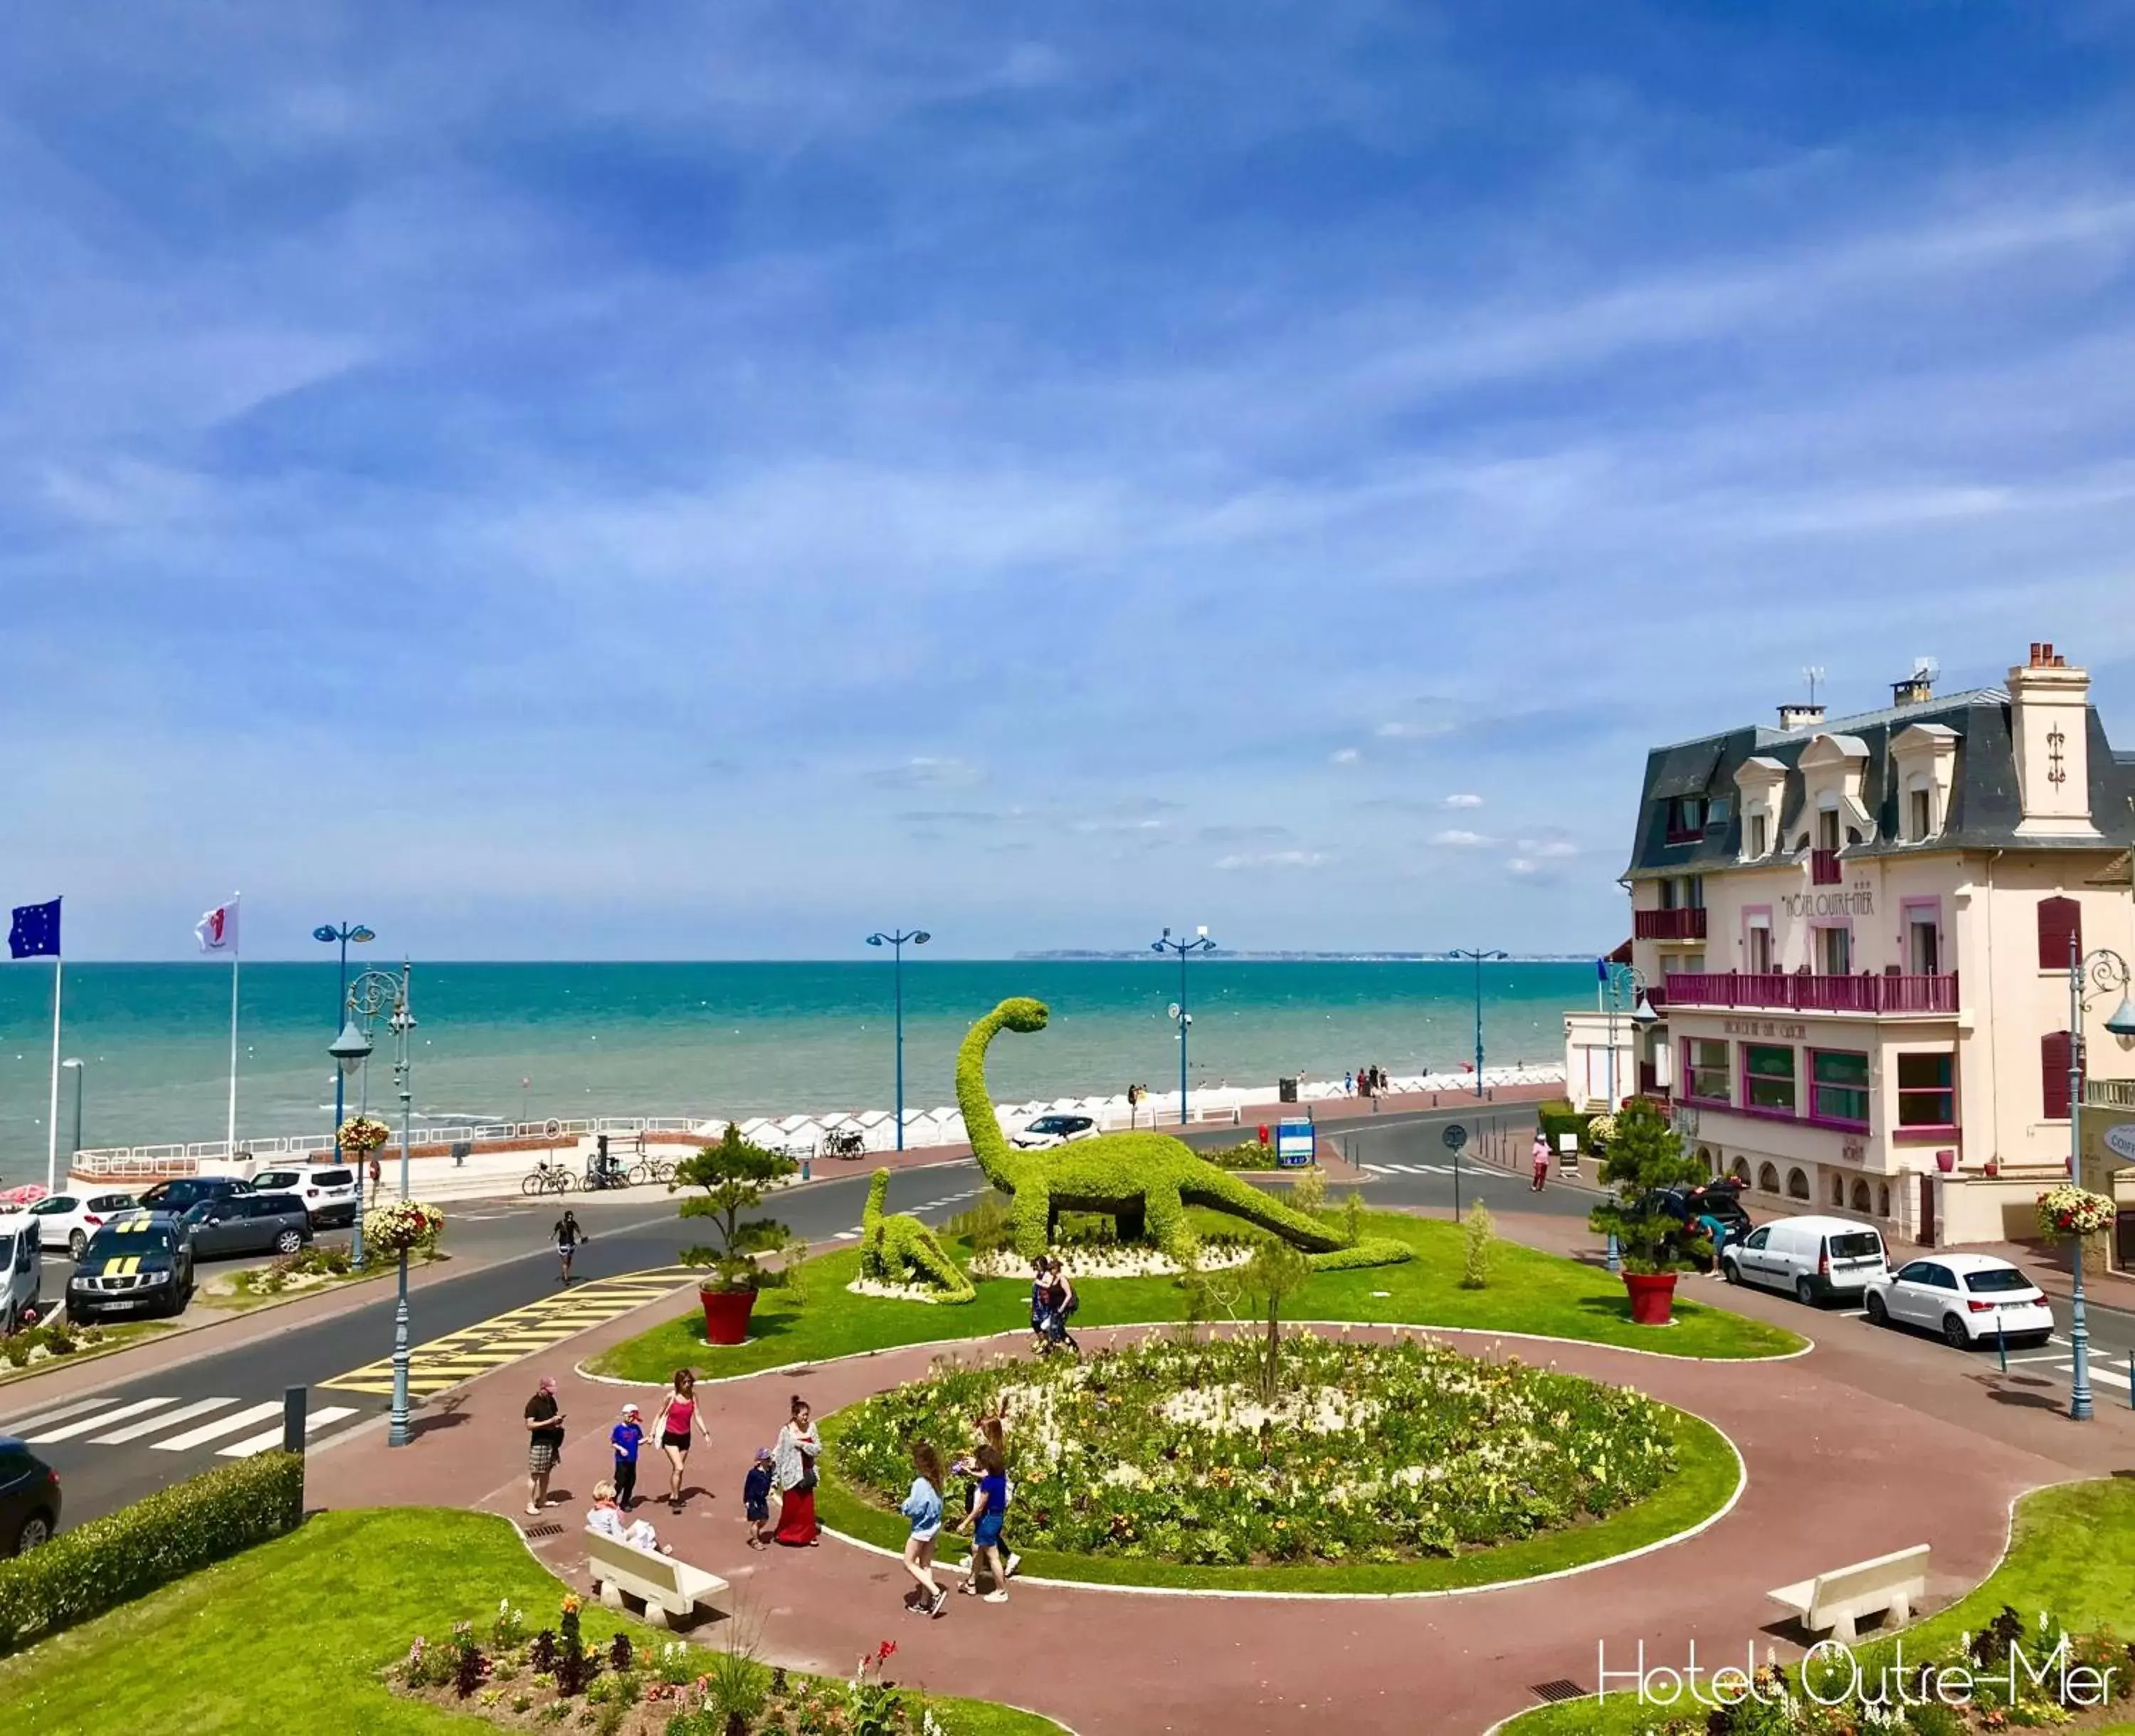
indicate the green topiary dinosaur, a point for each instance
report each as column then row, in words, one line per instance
column 898, row 1249
column 1144, row 1181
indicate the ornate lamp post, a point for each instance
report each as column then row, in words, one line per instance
column 2100, row 973
column 1185, row 949
column 1479, row 957
column 374, row 992
column 895, row 940
column 343, row 932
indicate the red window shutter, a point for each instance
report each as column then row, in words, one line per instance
column 2053, row 1050
column 2060, row 920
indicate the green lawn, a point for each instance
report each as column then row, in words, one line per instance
column 2073, row 1553
column 1706, row 1478
column 117, row 1337
column 1529, row 1292
column 290, row 1637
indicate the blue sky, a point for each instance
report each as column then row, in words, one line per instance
column 689, row 481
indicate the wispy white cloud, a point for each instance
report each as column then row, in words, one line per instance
column 1273, row 859
column 1461, row 801
column 1457, row 839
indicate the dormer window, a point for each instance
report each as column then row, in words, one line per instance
column 1685, row 818
column 1919, row 813
column 1759, row 839
column 1925, row 760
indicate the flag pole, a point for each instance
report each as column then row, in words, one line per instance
column 52, row 1112
column 236, row 952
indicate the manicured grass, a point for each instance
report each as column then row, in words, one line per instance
column 292, row 1636
column 1706, row 1479
column 2073, row 1553
column 1529, row 1292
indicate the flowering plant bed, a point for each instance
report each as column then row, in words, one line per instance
column 556, row 1678
column 1370, row 1452
column 402, row 1225
column 2069, row 1211
column 1111, row 1259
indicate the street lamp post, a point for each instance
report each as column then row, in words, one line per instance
column 2103, row 971
column 1185, row 949
column 374, row 992
column 343, row 932
column 895, row 940
column 1480, row 957
column 79, row 1069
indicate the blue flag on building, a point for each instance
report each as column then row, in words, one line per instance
column 35, row 933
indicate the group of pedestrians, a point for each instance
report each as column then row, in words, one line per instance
column 1369, row 1082
column 1052, row 1299
column 985, row 1465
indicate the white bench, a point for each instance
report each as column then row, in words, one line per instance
column 666, row 1587
column 1890, row 1585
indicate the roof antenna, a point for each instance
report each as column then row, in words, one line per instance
column 1813, row 674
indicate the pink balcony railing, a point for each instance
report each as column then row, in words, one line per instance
column 1816, row 994
column 1683, row 924
column 1823, row 869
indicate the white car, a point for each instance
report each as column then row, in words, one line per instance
column 1049, row 1130
column 1969, row 1299
column 68, row 1219
column 329, row 1194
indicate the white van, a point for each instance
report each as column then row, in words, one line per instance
column 1817, row 1258
column 22, row 1270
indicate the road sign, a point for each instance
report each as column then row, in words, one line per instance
column 1296, row 1143
column 1454, row 1136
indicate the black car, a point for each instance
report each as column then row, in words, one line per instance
column 246, row 1223
column 1686, row 1205
column 29, row 1498
column 184, row 1191
column 139, row 1265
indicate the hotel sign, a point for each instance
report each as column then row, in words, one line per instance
column 1764, row 1027
column 1799, row 905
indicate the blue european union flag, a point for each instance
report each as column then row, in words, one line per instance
column 35, row 933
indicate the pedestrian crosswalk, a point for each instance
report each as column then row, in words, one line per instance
column 1416, row 1169
column 446, row 1362
column 112, row 1419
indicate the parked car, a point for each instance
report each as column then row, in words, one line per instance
column 1717, row 1200
column 329, row 1195
column 181, row 1192
column 69, row 1220
column 1969, row 1299
column 1048, row 1131
column 1817, row 1258
column 29, row 1498
column 246, row 1223
column 21, row 1269
column 141, row 1265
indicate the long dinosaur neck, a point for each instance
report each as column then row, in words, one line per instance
column 988, row 1145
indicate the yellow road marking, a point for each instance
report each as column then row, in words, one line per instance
column 522, row 1331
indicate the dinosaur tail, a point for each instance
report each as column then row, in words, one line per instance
column 1227, row 1193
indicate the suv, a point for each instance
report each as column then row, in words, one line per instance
column 29, row 1498
column 246, row 1223
column 135, row 1266
column 177, row 1195
column 1716, row 1200
column 1048, row 1131
column 329, row 1195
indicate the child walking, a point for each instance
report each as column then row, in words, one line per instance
column 756, row 1500
column 624, row 1438
column 923, row 1506
column 989, row 1514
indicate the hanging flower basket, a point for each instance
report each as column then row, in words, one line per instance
column 404, row 1227
column 2068, row 1210
column 360, row 1134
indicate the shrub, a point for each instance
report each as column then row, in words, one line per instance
column 896, row 1248
column 128, row 1554
column 1479, row 1231
column 986, row 1226
column 737, row 1685
column 735, row 1176
column 1558, row 1116
column 1309, row 1191
column 1647, row 1154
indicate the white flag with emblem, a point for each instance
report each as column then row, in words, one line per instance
column 218, row 929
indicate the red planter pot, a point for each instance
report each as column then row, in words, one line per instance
column 726, row 1315
column 1652, row 1297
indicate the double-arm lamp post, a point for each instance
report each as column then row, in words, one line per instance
column 374, row 992
column 1185, row 949
column 895, row 940
column 1479, row 957
column 2100, row 973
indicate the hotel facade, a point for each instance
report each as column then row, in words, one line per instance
column 1856, row 935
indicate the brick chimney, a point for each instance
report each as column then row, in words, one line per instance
column 1798, row 716
column 2050, row 733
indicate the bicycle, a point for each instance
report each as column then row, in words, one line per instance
column 547, row 1178
column 651, row 1170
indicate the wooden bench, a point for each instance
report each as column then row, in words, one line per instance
column 1890, row 1585
column 667, row 1587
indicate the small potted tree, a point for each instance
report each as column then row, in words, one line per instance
column 735, row 1177
column 1644, row 1153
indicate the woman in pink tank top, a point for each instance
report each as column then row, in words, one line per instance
column 678, row 1411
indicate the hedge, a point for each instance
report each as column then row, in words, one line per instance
column 1557, row 1117
column 139, row 1549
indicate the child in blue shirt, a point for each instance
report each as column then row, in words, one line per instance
column 923, row 1506
column 624, row 1437
column 756, row 1500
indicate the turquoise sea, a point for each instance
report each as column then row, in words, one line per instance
column 723, row 1038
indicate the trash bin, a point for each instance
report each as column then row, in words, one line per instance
column 1285, row 1090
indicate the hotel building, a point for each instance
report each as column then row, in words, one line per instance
column 1856, row 936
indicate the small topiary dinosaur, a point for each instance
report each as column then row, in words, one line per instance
column 898, row 1249
column 1144, row 1181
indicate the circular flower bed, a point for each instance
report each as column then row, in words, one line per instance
column 1173, row 1451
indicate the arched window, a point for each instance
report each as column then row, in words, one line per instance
column 1740, row 1169
column 1861, row 1197
column 1882, row 1199
column 1705, row 1157
column 1767, row 1178
column 1797, row 1185
column 1838, row 1190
